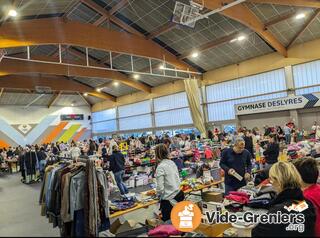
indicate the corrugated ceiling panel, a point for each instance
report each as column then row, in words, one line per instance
column 119, row 90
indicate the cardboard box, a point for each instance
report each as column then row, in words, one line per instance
column 122, row 225
column 130, row 183
column 212, row 197
column 214, row 230
column 211, row 206
column 139, row 181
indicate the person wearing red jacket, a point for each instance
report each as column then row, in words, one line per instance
column 309, row 172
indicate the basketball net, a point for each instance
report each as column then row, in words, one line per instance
column 2, row 53
column 186, row 14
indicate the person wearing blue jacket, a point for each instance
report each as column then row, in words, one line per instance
column 117, row 166
column 236, row 160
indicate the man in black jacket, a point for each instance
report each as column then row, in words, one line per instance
column 236, row 161
column 248, row 142
column 117, row 166
column 272, row 152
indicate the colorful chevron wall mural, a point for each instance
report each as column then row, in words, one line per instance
column 42, row 126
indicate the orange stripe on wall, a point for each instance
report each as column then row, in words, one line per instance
column 3, row 144
column 55, row 132
column 79, row 134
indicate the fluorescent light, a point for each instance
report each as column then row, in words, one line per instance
column 194, row 54
column 136, row 76
column 116, row 83
column 12, row 13
column 300, row 16
column 85, row 94
column 241, row 38
column 98, row 90
column 161, row 67
column 233, row 40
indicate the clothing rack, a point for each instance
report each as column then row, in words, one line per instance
column 29, row 167
column 80, row 187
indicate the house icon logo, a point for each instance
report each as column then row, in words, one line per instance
column 186, row 216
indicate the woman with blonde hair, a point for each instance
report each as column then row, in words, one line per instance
column 168, row 182
column 287, row 182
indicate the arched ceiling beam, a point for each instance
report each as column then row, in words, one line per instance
column 54, row 98
column 119, row 6
column 130, row 29
column 107, row 16
column 242, row 14
column 295, row 3
column 15, row 66
column 57, row 31
column 85, row 99
column 58, row 83
column 228, row 38
column 304, row 27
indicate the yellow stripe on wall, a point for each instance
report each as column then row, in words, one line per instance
column 69, row 133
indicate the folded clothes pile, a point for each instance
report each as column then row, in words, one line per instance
column 250, row 190
column 239, row 197
column 164, row 231
column 120, row 205
column 293, row 147
column 263, row 198
column 259, row 203
column 292, row 154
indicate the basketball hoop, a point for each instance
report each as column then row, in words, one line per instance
column 3, row 52
column 186, row 14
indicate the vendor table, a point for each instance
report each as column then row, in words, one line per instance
column 147, row 204
column 139, row 206
column 200, row 188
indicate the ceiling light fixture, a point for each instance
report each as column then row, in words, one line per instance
column 72, row 104
column 233, row 40
column 85, row 94
column 116, row 83
column 161, row 67
column 136, row 76
column 241, row 38
column 98, row 90
column 300, row 16
column 12, row 13
column 194, row 54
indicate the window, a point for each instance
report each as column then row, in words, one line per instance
column 173, row 101
column 305, row 75
column 308, row 90
column 268, row 82
column 174, row 117
column 135, row 116
column 172, row 110
column 134, row 109
column 136, row 122
column 104, row 127
column 104, row 121
column 104, row 115
column 221, row 111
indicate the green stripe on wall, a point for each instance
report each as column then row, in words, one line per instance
column 66, row 136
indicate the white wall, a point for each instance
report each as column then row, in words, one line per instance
column 41, row 121
column 270, row 119
column 34, row 114
column 308, row 117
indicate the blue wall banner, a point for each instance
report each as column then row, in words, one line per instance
column 279, row 104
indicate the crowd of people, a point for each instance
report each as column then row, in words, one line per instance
column 294, row 182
